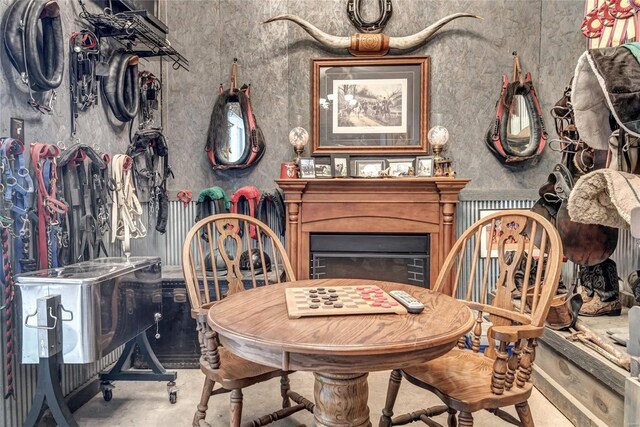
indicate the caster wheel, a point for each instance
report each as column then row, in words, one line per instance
column 107, row 395
column 173, row 397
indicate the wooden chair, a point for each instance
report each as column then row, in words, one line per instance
column 229, row 236
column 467, row 380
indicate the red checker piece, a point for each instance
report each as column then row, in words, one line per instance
column 377, row 304
column 385, row 305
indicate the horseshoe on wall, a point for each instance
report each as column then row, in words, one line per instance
column 353, row 11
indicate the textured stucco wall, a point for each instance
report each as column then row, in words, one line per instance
column 467, row 59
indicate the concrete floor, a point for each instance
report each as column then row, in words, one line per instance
column 147, row 404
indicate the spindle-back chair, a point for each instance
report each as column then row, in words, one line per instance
column 236, row 261
column 516, row 243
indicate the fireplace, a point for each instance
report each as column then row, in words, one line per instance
column 424, row 208
column 391, row 257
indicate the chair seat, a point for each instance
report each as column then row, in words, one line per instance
column 236, row 372
column 462, row 380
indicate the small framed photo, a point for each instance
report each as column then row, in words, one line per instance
column 307, row 167
column 323, row 167
column 340, row 165
column 369, row 168
column 401, row 167
column 425, row 166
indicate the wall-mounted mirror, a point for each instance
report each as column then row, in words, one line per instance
column 234, row 140
column 519, row 125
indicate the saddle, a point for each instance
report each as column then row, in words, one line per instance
column 584, row 244
column 218, row 144
column 514, row 149
column 33, row 39
column 120, row 86
column 245, row 201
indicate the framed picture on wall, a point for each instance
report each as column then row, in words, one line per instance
column 307, row 167
column 370, row 105
column 425, row 166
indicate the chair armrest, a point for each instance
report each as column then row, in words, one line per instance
column 515, row 332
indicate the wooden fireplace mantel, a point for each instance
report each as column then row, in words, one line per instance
column 386, row 205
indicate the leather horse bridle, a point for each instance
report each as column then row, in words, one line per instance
column 36, row 52
column 120, row 86
column 81, row 177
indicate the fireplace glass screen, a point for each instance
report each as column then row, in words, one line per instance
column 394, row 258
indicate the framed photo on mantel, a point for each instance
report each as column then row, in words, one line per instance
column 370, row 105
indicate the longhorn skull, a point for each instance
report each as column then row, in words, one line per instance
column 371, row 44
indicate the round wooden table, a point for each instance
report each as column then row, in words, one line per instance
column 340, row 350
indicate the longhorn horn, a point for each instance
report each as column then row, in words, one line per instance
column 325, row 39
column 409, row 42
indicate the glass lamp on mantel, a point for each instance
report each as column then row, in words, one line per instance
column 438, row 137
column 299, row 138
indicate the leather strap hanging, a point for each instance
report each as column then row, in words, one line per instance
column 150, row 154
column 18, row 190
column 43, row 158
column 126, row 214
column 83, row 57
column 80, row 171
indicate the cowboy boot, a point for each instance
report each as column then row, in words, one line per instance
column 597, row 307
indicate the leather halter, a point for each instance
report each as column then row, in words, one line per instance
column 353, row 12
column 43, row 158
column 150, row 154
column 276, row 200
column 18, row 189
column 496, row 137
column 126, row 213
column 33, row 39
column 120, row 86
column 84, row 53
column 82, row 184
column 250, row 196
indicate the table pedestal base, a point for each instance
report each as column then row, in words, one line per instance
column 341, row 400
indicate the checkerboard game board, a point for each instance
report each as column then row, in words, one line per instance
column 340, row 300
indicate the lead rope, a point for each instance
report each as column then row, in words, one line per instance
column 43, row 158
column 126, row 213
column 9, row 292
